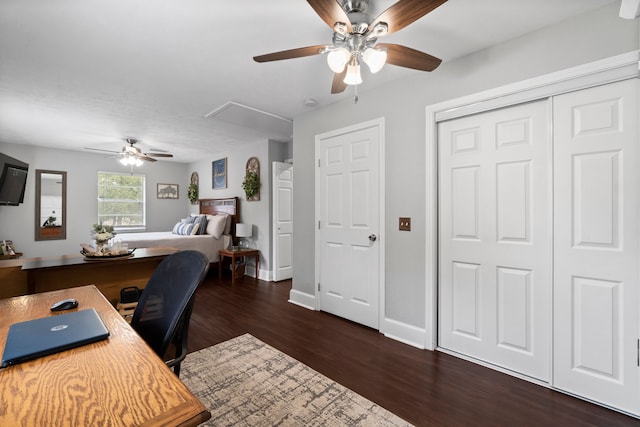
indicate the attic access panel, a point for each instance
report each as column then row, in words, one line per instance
column 271, row 125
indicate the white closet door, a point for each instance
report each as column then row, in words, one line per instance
column 495, row 248
column 597, row 217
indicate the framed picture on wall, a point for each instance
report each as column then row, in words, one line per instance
column 167, row 191
column 219, row 173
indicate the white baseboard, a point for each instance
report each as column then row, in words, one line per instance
column 392, row 329
column 302, row 299
column 265, row 275
column 407, row 334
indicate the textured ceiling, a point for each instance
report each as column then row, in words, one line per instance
column 87, row 73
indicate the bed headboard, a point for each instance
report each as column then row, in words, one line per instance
column 230, row 206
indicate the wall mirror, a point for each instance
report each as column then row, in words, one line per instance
column 51, row 205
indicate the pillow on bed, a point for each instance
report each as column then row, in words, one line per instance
column 189, row 220
column 215, row 225
column 185, row 229
column 201, row 220
column 227, row 226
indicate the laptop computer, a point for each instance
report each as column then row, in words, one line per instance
column 53, row 334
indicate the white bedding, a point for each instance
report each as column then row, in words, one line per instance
column 205, row 243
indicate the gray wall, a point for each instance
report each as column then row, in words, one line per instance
column 257, row 213
column 583, row 39
column 17, row 223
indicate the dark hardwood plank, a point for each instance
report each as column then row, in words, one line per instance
column 423, row 387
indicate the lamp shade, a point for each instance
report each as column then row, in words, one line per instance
column 244, row 230
column 353, row 74
column 375, row 59
column 337, row 59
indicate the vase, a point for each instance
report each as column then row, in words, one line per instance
column 101, row 247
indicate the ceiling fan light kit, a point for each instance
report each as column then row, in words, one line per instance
column 375, row 58
column 128, row 160
column 355, row 34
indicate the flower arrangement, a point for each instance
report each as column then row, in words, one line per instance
column 192, row 193
column 251, row 184
column 103, row 233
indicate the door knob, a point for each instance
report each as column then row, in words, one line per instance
column 373, row 237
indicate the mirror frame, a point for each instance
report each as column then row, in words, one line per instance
column 60, row 234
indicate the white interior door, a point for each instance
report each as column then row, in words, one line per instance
column 349, row 224
column 494, row 245
column 597, row 216
column 282, row 221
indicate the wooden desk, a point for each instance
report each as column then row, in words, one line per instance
column 109, row 276
column 116, row 382
column 237, row 254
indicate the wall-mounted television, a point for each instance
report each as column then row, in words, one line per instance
column 13, row 180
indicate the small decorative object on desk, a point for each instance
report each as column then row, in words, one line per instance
column 7, row 251
column 102, row 235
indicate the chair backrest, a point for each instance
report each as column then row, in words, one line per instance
column 167, row 296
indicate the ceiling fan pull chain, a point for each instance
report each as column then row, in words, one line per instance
column 355, row 95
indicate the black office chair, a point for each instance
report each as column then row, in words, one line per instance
column 164, row 309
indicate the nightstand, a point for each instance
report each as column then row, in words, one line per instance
column 237, row 254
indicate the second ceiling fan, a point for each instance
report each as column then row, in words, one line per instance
column 355, row 39
column 131, row 154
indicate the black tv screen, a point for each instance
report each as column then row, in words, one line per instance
column 13, row 181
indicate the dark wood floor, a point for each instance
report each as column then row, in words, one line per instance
column 423, row 387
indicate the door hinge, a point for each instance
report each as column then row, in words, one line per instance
column 318, row 286
column 318, row 162
column 318, row 225
column 638, row 352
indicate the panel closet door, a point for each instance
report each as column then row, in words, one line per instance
column 597, row 222
column 494, row 237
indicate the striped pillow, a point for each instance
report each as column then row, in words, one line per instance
column 184, row 229
column 201, row 220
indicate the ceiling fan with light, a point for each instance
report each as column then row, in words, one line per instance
column 132, row 155
column 355, row 39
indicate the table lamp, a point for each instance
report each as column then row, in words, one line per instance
column 244, row 232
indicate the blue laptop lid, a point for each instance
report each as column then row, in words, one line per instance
column 53, row 334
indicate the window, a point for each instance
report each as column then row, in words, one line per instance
column 121, row 200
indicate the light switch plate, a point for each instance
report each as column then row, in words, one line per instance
column 405, row 224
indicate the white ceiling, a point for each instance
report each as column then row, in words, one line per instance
column 86, row 73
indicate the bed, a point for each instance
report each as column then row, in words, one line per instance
column 208, row 244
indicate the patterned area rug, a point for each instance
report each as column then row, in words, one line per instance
column 245, row 382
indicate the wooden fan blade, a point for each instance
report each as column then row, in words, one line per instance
column 147, row 158
column 158, row 154
column 338, row 85
column 98, row 149
column 405, row 12
column 290, row 54
column 330, row 12
column 410, row 58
